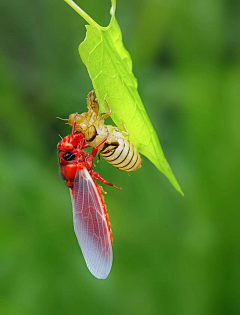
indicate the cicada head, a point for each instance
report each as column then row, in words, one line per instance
column 70, row 143
column 69, row 155
column 81, row 121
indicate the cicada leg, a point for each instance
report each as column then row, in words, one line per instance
column 96, row 175
column 104, row 116
column 98, row 157
column 95, row 149
column 104, row 192
column 126, row 132
column 86, row 146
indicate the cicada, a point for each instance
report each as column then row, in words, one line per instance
column 117, row 150
column 91, row 222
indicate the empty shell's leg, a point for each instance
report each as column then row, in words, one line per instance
column 104, row 116
column 126, row 132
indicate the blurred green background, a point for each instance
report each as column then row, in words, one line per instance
column 172, row 255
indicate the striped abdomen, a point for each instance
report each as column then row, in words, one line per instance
column 116, row 150
column 122, row 154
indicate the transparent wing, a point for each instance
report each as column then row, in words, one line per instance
column 90, row 225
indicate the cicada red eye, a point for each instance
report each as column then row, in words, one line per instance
column 68, row 146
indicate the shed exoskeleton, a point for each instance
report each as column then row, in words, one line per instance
column 117, row 150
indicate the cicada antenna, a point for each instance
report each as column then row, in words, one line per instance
column 60, row 136
column 62, row 118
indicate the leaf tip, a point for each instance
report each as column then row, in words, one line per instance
column 181, row 192
column 177, row 186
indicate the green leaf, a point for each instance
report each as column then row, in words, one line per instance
column 110, row 68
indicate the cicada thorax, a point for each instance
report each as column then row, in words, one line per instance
column 67, row 169
column 70, row 157
column 117, row 150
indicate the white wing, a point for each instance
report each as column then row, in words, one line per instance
column 90, row 225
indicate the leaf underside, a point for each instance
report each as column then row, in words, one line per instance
column 110, row 68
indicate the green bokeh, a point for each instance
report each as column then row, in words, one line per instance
column 172, row 255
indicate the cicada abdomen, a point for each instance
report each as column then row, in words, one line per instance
column 117, row 150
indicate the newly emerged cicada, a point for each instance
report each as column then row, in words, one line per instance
column 117, row 150
column 91, row 222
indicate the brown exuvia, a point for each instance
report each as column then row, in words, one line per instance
column 117, row 150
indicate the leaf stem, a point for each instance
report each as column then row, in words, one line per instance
column 82, row 13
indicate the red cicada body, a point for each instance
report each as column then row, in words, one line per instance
column 90, row 218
